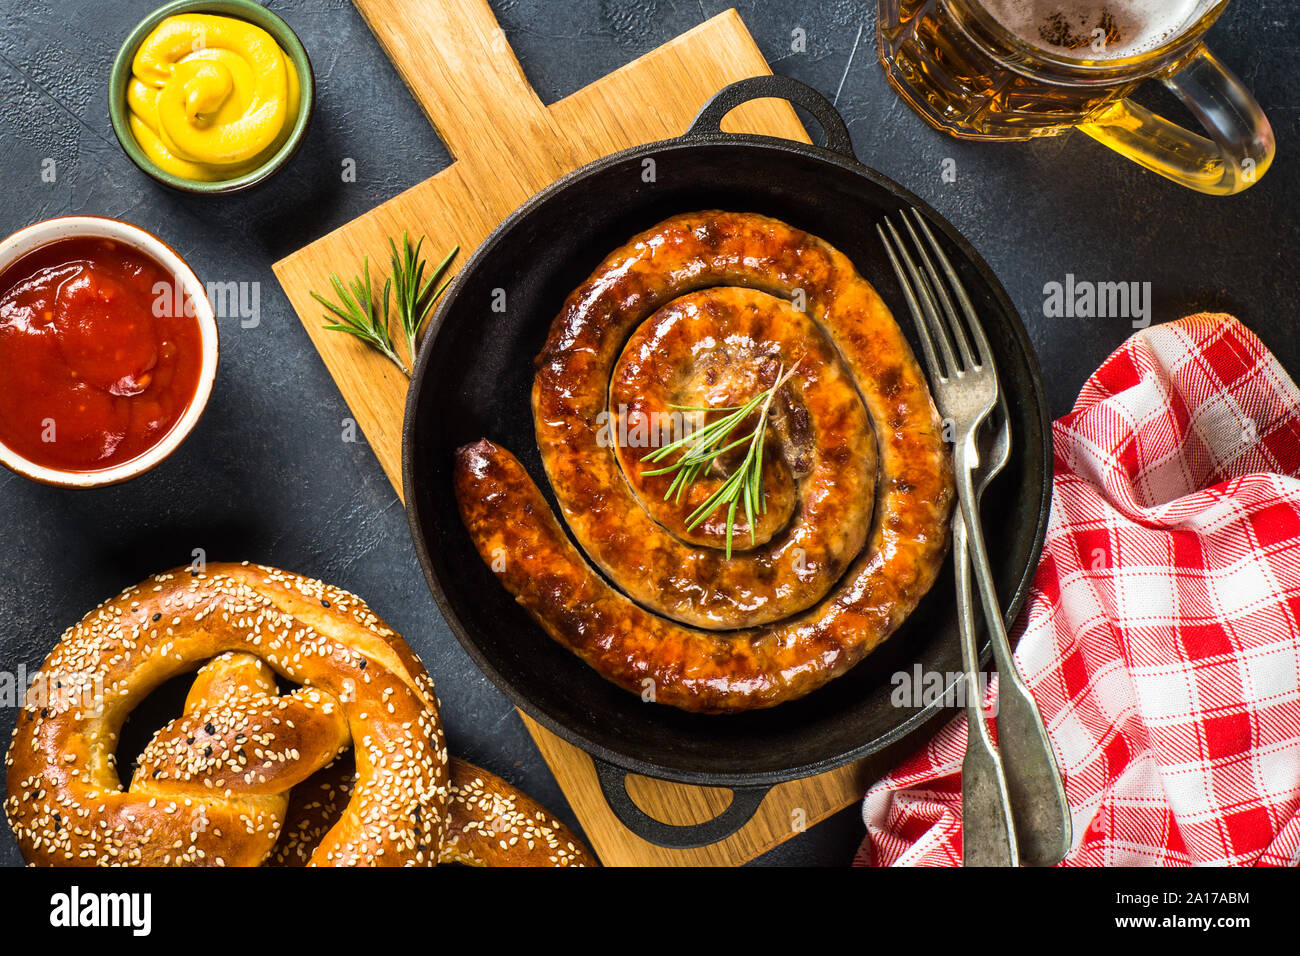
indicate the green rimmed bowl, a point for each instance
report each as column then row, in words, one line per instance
column 238, row 9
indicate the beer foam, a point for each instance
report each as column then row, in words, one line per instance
column 1127, row 27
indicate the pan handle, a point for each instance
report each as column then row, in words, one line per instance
column 613, row 784
column 772, row 86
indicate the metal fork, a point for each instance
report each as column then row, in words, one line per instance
column 988, row 830
column 965, row 388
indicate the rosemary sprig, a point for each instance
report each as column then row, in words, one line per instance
column 359, row 312
column 700, row 449
column 415, row 300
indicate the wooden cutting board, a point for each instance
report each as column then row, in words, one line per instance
column 507, row 145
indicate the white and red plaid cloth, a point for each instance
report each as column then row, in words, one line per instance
column 1161, row 637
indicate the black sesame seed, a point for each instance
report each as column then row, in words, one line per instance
column 209, row 728
column 189, row 740
column 324, row 603
column 157, row 617
column 155, row 774
column 363, row 663
column 207, row 751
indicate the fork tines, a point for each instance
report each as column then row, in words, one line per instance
column 960, row 339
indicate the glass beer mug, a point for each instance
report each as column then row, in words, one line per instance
column 1016, row 69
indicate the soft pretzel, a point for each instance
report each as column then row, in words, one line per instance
column 490, row 823
column 671, row 320
column 214, row 786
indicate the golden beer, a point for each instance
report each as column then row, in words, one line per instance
column 1016, row 69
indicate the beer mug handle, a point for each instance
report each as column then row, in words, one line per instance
column 1241, row 146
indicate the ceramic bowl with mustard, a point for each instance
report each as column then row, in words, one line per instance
column 211, row 96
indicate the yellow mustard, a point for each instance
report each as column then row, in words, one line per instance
column 211, row 97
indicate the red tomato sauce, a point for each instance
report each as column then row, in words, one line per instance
column 97, row 362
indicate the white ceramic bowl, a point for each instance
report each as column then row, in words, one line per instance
column 68, row 227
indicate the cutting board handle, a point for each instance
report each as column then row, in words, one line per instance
column 456, row 61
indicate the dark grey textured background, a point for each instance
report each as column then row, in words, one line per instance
column 266, row 475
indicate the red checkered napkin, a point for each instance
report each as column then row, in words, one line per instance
column 1161, row 638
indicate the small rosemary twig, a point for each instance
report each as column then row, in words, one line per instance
column 414, row 300
column 700, row 449
column 359, row 313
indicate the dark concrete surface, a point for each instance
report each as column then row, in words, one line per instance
column 266, row 475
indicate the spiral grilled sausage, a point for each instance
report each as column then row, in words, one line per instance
column 819, row 480
column 699, row 307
